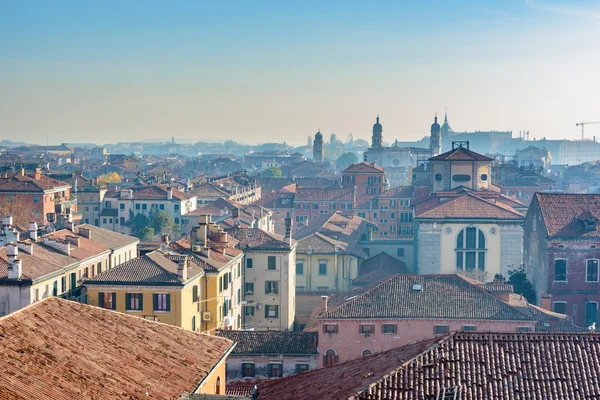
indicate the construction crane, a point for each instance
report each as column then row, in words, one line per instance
column 583, row 124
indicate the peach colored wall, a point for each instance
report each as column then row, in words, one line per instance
column 349, row 343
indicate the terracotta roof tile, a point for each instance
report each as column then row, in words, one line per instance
column 561, row 213
column 467, row 205
column 28, row 183
column 256, row 238
column 271, row 342
column 58, row 349
column 328, row 194
column 363, row 167
column 113, row 240
column 440, row 296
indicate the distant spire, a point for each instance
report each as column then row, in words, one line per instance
column 446, row 115
column 377, row 117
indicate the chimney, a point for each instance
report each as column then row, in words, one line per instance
column 64, row 246
column 164, row 239
column 26, row 247
column 85, row 232
column 12, row 251
column 33, row 231
column 547, row 301
column 22, row 172
column 288, row 231
column 235, row 213
column 15, row 269
column 6, row 222
column 38, row 173
column 182, row 268
column 170, row 193
column 324, row 300
column 74, row 240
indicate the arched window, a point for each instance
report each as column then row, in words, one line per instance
column 218, row 385
column 330, row 357
column 366, row 352
column 470, row 250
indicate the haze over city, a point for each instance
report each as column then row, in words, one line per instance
column 73, row 71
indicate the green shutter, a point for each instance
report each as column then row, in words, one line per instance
column 100, row 299
column 141, row 301
column 276, row 311
column 114, row 301
column 127, row 301
column 99, row 268
column 155, row 301
column 266, row 311
column 168, row 302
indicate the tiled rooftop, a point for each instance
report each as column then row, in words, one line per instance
column 43, row 261
column 256, row 238
column 28, row 183
column 363, row 167
column 328, row 194
column 62, row 350
column 271, row 342
column 113, row 240
column 87, row 248
column 467, row 205
column 561, row 212
column 440, row 296
column 477, row 365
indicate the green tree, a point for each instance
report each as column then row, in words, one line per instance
column 137, row 223
column 345, row 160
column 147, row 233
column 162, row 223
column 521, row 285
column 273, row 172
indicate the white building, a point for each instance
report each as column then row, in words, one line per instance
column 575, row 152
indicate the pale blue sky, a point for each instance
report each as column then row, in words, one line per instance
column 107, row 71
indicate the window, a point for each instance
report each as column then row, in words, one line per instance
column 137, row 206
column 315, row 206
column 104, row 220
column 375, row 215
column 107, row 300
column 272, row 263
column 275, row 370
column 560, row 270
column 161, row 206
column 406, row 217
column 469, row 328
column 592, row 271
column 300, row 368
column 195, row 293
column 523, row 329
column 591, row 313
column 271, row 311
column 438, row 177
column 176, row 207
column 36, row 199
column 440, row 329
column 194, row 323
column 299, row 268
column 248, row 263
column 249, row 311
column 144, row 206
column 366, row 352
column 249, row 287
column 162, row 302
column 389, row 328
column 484, row 177
column 400, row 252
column 239, row 295
column 54, row 288
column 461, row 178
column 176, row 221
column 134, row 301
column 122, row 206
column 367, row 329
column 271, row 287
column 226, row 281
column 63, row 284
column 330, row 328
column 330, row 357
column 322, row 268
column 220, row 284
column 470, row 250
column 560, row 307
column 248, row 370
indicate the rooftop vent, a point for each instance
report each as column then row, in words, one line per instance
column 417, row 287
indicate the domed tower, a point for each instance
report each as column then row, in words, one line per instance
column 435, row 141
column 377, row 140
column 318, row 147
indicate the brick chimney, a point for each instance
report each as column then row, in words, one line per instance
column 38, row 173
column 324, row 300
column 547, row 301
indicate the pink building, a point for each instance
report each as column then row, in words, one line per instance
column 408, row 308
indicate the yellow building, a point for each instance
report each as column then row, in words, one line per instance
column 158, row 286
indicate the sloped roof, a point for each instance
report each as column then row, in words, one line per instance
column 561, row 211
column 28, row 183
column 113, row 240
column 43, row 261
column 87, row 248
column 271, row 342
column 363, row 168
column 467, row 205
column 59, row 349
column 379, row 267
column 441, row 296
column 154, row 268
column 256, row 238
column 460, row 154
column 327, row 194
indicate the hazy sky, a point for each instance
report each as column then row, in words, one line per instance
column 108, row 71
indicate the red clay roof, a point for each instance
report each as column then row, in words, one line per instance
column 561, row 213
column 58, row 349
column 28, row 183
column 363, row 168
column 328, row 194
column 468, row 205
column 460, row 154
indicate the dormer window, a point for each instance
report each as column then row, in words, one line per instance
column 589, row 221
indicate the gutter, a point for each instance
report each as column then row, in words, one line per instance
column 224, row 358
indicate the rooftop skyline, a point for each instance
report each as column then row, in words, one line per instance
column 268, row 71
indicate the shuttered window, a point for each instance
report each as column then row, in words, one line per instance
column 162, row 302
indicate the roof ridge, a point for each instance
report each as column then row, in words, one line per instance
column 512, row 210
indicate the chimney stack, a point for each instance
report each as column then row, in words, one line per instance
column 15, row 269
column 235, row 213
column 12, row 252
column 38, row 173
column 26, row 247
column 33, row 231
column 182, row 268
column 324, row 300
column 547, row 301
column 170, row 193
column 288, row 231
column 85, row 232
